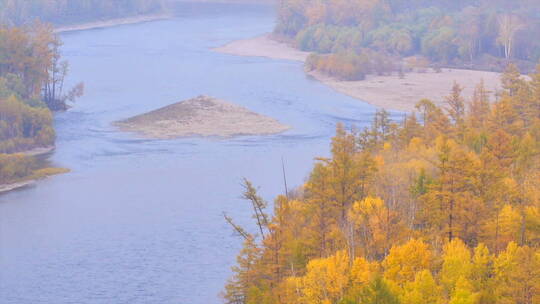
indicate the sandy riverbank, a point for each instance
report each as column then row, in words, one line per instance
column 388, row 92
column 32, row 179
column 263, row 46
column 39, row 151
column 37, row 175
column 394, row 93
column 111, row 22
column 257, row 2
column 14, row 186
column 201, row 116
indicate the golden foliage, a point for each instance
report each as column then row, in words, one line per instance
column 442, row 209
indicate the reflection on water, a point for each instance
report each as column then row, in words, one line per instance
column 139, row 221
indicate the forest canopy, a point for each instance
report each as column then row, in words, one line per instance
column 25, row 58
column 483, row 34
column 31, row 85
column 441, row 207
column 17, row 12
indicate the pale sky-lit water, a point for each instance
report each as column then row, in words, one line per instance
column 139, row 221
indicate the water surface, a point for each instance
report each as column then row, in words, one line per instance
column 139, row 221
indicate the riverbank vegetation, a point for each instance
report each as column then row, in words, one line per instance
column 60, row 12
column 351, row 65
column 31, row 86
column 355, row 35
column 32, row 78
column 19, row 168
column 441, row 207
column 24, row 127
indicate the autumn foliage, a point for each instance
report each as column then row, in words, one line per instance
column 483, row 34
column 350, row 65
column 31, row 83
column 25, row 121
column 440, row 207
column 17, row 12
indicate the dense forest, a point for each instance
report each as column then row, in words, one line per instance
column 31, row 87
column 16, row 168
column 373, row 36
column 441, row 207
column 25, row 121
column 17, row 12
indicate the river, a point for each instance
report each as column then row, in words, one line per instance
column 140, row 221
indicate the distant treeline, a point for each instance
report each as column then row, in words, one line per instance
column 17, row 12
column 482, row 34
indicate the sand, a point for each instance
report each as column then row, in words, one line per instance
column 263, row 46
column 32, row 179
column 394, row 93
column 201, row 116
column 111, row 22
column 388, row 92
column 39, row 151
column 14, row 186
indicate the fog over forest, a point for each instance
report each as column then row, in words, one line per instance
column 372, row 35
column 19, row 12
column 270, row 152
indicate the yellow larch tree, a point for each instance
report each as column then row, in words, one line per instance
column 405, row 261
